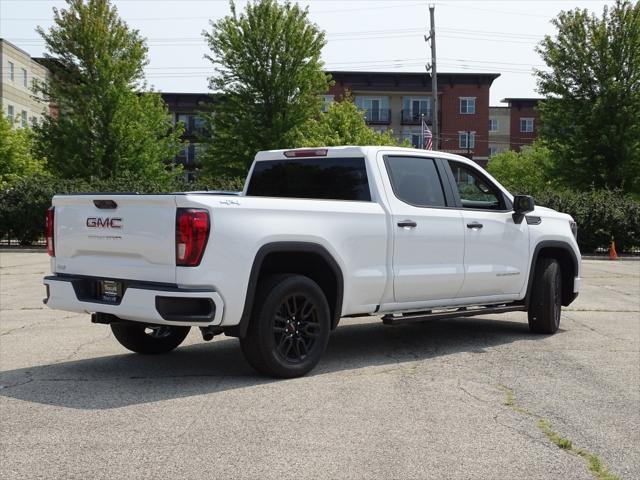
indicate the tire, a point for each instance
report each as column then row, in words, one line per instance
column 546, row 297
column 289, row 327
column 149, row 340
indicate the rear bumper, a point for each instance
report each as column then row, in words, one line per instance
column 145, row 302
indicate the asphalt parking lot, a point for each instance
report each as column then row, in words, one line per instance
column 459, row 398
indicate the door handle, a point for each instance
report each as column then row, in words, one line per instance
column 474, row 225
column 407, row 224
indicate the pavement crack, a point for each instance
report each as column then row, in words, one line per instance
column 595, row 465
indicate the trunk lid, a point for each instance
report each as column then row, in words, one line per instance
column 130, row 237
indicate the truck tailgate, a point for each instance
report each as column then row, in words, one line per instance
column 130, row 237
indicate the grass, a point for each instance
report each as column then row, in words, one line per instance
column 596, row 467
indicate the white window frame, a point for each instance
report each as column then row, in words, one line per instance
column 497, row 125
column 11, row 113
column 11, row 71
column 467, row 101
column 24, row 118
column 462, row 137
column 528, row 124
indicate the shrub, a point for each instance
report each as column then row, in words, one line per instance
column 602, row 216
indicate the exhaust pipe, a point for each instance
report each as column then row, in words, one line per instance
column 209, row 332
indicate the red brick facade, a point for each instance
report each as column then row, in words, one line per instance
column 522, row 108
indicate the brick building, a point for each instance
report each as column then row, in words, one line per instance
column 184, row 107
column 397, row 101
column 523, row 121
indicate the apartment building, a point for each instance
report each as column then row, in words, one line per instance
column 18, row 75
column 523, row 124
column 499, row 129
column 399, row 101
column 184, row 108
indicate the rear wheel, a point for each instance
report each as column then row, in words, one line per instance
column 289, row 327
column 546, row 297
column 149, row 339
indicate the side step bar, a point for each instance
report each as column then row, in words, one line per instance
column 413, row 317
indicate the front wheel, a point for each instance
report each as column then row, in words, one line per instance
column 149, row 339
column 289, row 328
column 546, row 297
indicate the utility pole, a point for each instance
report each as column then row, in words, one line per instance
column 434, row 77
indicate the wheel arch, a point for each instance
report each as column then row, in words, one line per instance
column 304, row 258
column 566, row 257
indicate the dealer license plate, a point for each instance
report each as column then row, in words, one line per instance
column 110, row 291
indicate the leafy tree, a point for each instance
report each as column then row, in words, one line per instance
column 105, row 126
column 269, row 72
column 16, row 159
column 524, row 172
column 342, row 124
column 591, row 115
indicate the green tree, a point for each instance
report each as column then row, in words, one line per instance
column 269, row 74
column 525, row 172
column 105, row 126
column 591, row 115
column 16, row 158
column 342, row 124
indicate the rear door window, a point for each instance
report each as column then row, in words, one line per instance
column 415, row 181
column 319, row 178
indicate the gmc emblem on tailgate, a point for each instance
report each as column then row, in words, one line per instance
column 107, row 222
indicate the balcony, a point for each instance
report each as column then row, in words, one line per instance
column 379, row 116
column 414, row 117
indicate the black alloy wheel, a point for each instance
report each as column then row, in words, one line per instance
column 289, row 327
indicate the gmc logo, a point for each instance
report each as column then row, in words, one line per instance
column 107, row 222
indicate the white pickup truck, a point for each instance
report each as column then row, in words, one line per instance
column 315, row 236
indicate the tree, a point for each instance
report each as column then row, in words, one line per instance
column 342, row 124
column 106, row 126
column 591, row 115
column 16, row 158
column 525, row 172
column 269, row 74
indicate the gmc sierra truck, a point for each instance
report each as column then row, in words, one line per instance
column 316, row 235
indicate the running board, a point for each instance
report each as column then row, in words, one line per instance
column 391, row 319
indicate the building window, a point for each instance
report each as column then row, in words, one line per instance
column 326, row 101
column 493, row 124
column 526, row 125
column 467, row 105
column 10, row 113
column 24, row 77
column 493, row 151
column 467, row 140
column 24, row 120
column 414, row 109
column 11, row 69
column 376, row 109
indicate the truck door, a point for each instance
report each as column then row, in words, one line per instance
column 428, row 235
column 496, row 251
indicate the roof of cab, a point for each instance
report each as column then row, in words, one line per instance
column 354, row 151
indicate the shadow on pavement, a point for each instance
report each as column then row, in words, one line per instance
column 128, row 379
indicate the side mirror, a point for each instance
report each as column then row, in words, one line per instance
column 522, row 204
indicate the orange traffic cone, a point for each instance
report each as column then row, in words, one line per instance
column 613, row 255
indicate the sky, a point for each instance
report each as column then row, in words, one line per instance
column 490, row 36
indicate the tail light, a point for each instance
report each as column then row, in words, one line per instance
column 192, row 232
column 49, row 231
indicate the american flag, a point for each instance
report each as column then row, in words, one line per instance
column 427, row 136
